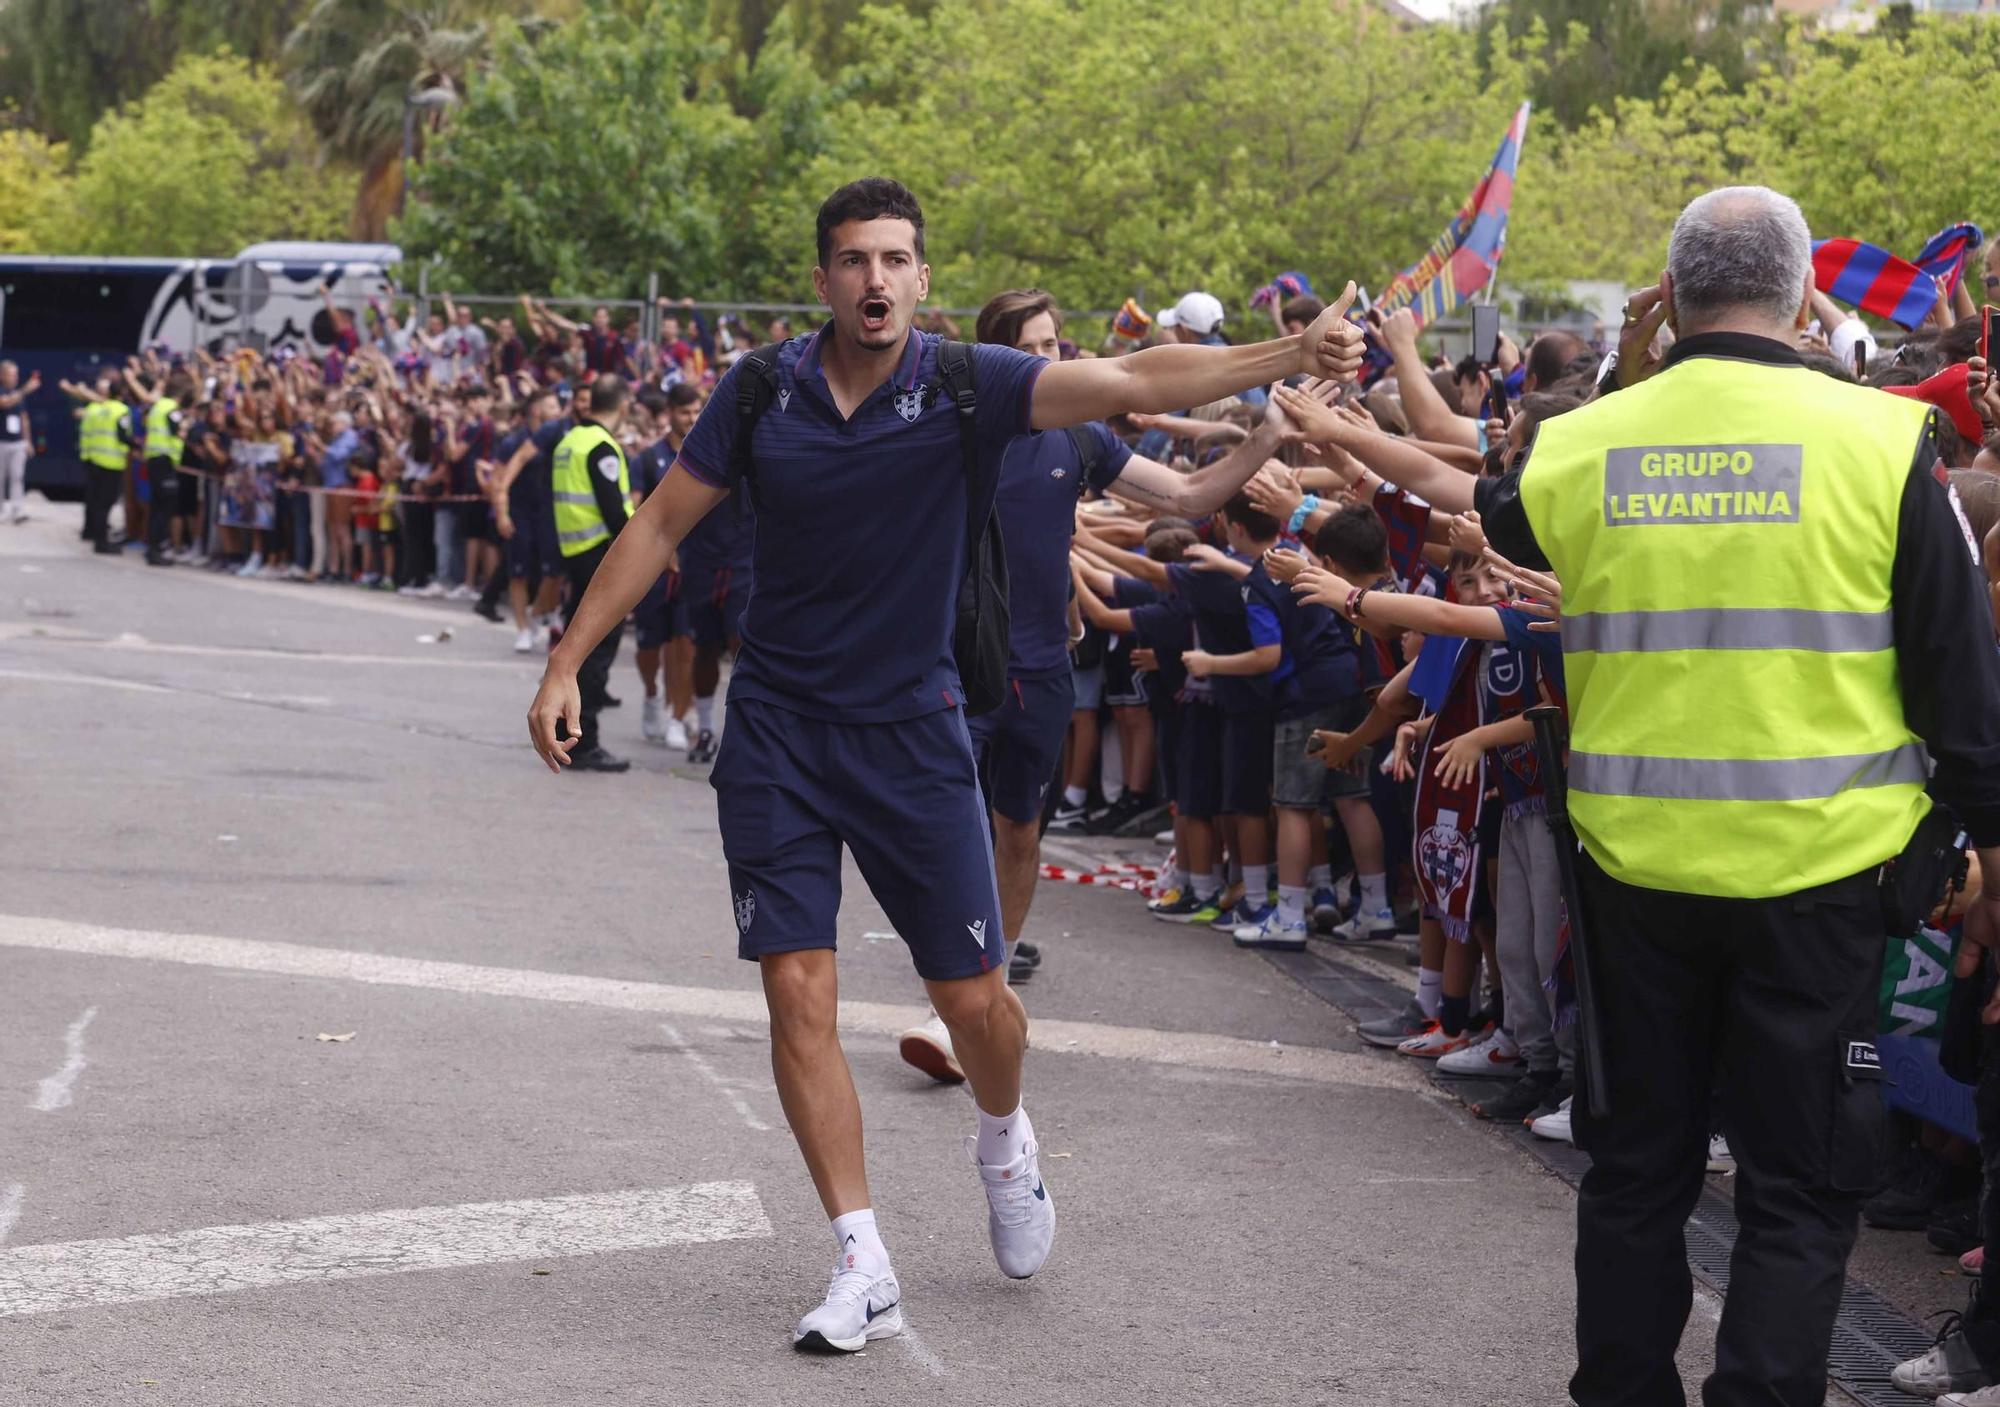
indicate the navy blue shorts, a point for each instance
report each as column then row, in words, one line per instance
column 715, row 598
column 532, row 551
column 1246, row 763
column 661, row 614
column 1123, row 688
column 903, row 797
column 1198, row 760
column 1019, row 744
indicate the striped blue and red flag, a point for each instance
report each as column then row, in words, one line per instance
column 1943, row 257
column 1873, row 280
column 1463, row 258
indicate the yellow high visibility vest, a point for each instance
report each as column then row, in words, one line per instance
column 97, row 434
column 1725, row 533
column 580, row 525
column 161, row 441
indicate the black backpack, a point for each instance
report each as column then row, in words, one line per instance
column 979, row 641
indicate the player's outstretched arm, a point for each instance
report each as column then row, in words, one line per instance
column 1161, row 379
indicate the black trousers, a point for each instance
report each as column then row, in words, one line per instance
column 1773, row 1004
column 164, row 505
column 101, row 488
column 593, row 678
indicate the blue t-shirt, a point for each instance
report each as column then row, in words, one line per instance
column 860, row 529
column 1222, row 627
column 650, row 466
column 1320, row 665
column 333, row 464
column 1037, row 500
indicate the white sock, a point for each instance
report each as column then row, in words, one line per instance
column 1292, row 903
column 1010, row 946
column 1075, row 796
column 860, row 1244
column 1319, row 877
column 1257, row 883
column 1374, row 893
column 1002, row 1137
column 1430, row 990
column 1212, row 886
column 704, row 713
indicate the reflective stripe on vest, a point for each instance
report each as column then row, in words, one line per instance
column 1725, row 533
column 97, row 435
column 1726, row 628
column 580, row 526
column 161, row 441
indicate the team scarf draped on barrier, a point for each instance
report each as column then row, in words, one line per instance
column 1464, row 257
column 1869, row 277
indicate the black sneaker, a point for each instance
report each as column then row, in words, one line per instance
column 610, row 702
column 1071, row 820
column 158, row 559
column 1518, row 1102
column 1391, row 1031
column 106, row 549
column 704, row 747
column 1955, row 1227
column 596, row 759
column 1916, row 1186
column 1146, row 818
column 1027, row 952
column 487, row 609
column 1019, row 971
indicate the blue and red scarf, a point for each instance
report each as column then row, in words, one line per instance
column 1447, row 855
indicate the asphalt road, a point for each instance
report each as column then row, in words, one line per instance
column 548, row 1165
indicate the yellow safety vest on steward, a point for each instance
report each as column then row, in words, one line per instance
column 579, row 524
column 1724, row 532
column 161, row 441
column 97, row 434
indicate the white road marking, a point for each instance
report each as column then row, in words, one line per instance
column 700, row 1063
column 1397, row 1181
column 139, row 645
column 48, row 676
column 10, row 1209
column 920, row 1351
column 55, row 1092
column 70, row 1275
column 1211, row 1052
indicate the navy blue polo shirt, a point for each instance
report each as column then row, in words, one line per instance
column 860, row 530
column 1039, row 488
column 1222, row 627
column 1320, row 665
column 721, row 541
column 650, row 466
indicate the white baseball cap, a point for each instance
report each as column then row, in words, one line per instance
column 1200, row 313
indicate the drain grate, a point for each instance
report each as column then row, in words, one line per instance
column 1870, row 1336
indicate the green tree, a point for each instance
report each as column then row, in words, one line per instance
column 35, row 195
column 622, row 143
column 212, row 158
column 1103, row 147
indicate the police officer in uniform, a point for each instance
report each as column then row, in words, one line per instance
column 102, row 442
column 165, row 442
column 1779, row 654
column 592, row 490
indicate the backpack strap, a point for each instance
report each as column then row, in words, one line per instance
column 1089, row 455
column 756, row 388
column 955, row 382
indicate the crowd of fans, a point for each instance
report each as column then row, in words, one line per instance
column 1315, row 696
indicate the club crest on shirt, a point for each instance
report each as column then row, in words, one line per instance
column 746, row 910
column 1503, row 672
column 910, row 403
column 1058, row 472
column 784, row 397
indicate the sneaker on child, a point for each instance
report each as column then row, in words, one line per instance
column 1554, row 1127
column 1432, row 1043
column 1281, row 934
column 1496, row 1055
column 1388, row 1032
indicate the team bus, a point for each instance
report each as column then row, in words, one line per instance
column 66, row 317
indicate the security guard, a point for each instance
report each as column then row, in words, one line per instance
column 165, row 423
column 1773, row 631
column 103, row 444
column 592, row 489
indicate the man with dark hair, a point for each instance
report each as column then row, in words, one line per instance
column 591, row 486
column 846, row 723
column 1548, row 359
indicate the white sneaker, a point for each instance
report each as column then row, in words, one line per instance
column 1950, row 1366
column 524, row 643
column 1275, row 932
column 253, row 566
column 1985, row 1397
column 1378, row 927
column 1496, row 1055
column 461, row 592
column 1554, row 1127
column 677, row 735
column 859, row 1308
column 1720, row 1159
column 650, row 727
column 1434, row 1044
column 1021, row 1216
column 411, row 589
column 928, row 1047
column 431, row 590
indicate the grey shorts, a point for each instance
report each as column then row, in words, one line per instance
column 1305, row 783
column 1089, row 687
